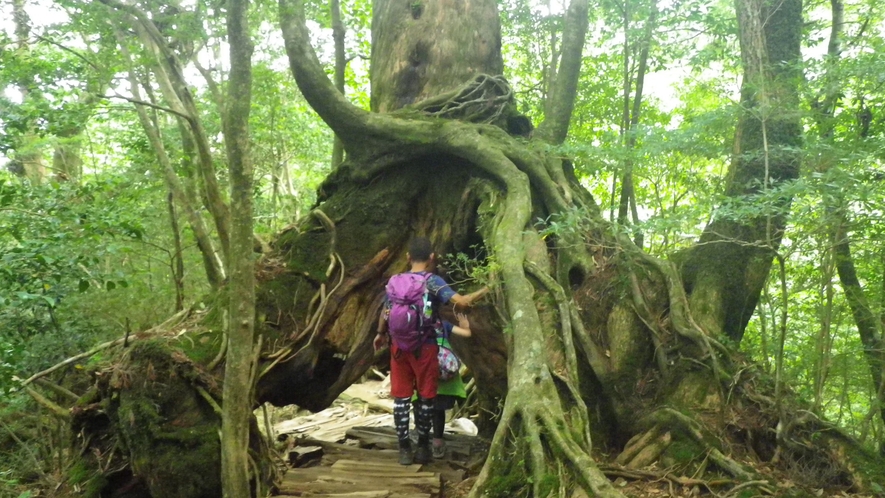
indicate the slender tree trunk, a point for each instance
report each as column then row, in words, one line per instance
column 869, row 326
column 338, row 34
column 214, row 267
column 564, row 86
column 824, row 339
column 628, row 193
column 239, row 375
column 177, row 263
column 170, row 78
column 866, row 321
column 28, row 157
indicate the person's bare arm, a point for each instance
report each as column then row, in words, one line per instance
column 381, row 338
column 469, row 299
column 463, row 327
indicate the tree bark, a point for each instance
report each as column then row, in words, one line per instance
column 239, row 377
column 628, row 193
column 215, row 273
column 170, row 77
column 864, row 318
column 564, row 88
column 724, row 273
column 412, row 59
column 28, row 160
column 177, row 257
column 338, row 33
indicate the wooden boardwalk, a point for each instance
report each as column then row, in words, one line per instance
column 326, row 469
column 348, row 472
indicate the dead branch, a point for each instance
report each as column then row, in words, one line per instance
column 52, row 386
column 49, row 405
column 159, row 328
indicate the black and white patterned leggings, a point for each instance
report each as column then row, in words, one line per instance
column 423, row 412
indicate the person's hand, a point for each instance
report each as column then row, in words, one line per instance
column 380, row 341
column 463, row 322
column 476, row 296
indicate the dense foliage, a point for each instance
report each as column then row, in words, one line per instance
column 89, row 253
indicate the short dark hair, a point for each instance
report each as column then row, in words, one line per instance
column 420, row 250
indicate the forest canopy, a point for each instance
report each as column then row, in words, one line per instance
column 676, row 206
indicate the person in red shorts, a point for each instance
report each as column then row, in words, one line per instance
column 418, row 371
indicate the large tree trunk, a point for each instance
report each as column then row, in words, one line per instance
column 423, row 49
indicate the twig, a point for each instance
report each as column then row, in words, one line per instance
column 209, row 399
column 762, row 485
column 70, row 50
column 148, row 104
column 49, row 405
column 221, row 352
column 52, row 386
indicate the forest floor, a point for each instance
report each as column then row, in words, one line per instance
column 349, row 451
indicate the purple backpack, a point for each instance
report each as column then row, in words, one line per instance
column 410, row 312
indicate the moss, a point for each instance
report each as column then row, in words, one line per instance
column 202, row 347
column 171, row 433
column 683, row 452
column 506, row 485
column 86, row 478
column 549, row 484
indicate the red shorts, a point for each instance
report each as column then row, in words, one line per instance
column 408, row 374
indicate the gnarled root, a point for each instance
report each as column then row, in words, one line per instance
column 534, row 432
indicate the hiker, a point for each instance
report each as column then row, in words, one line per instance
column 450, row 386
column 411, row 322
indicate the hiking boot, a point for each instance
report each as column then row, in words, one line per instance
column 439, row 448
column 422, row 454
column 405, row 453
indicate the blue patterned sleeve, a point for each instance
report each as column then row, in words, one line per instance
column 439, row 288
column 447, row 330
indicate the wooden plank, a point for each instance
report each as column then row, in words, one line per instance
column 373, row 437
column 301, row 424
column 314, row 474
column 361, row 494
column 344, row 464
column 301, row 455
column 337, row 431
column 333, row 450
column 321, row 488
column 383, row 472
column 326, row 490
column 458, row 446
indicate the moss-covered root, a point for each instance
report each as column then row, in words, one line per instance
column 682, row 440
column 533, row 422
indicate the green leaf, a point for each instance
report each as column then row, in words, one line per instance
column 84, row 285
column 110, row 285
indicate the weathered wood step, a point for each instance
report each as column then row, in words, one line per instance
column 374, row 465
column 327, row 481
